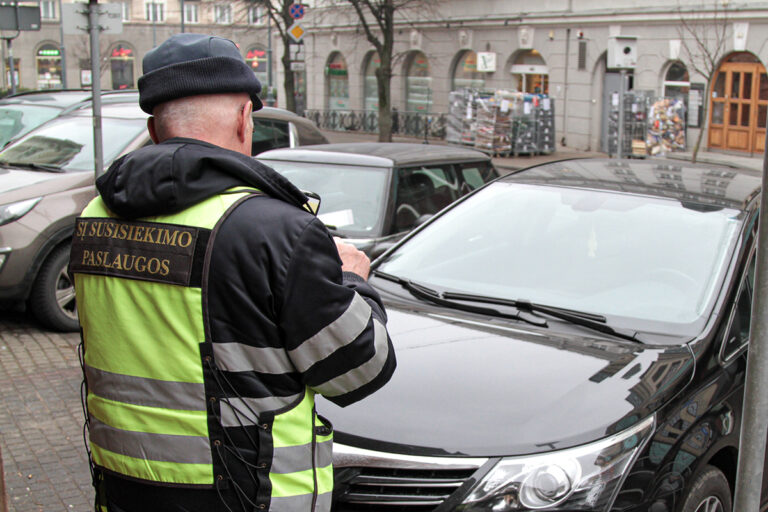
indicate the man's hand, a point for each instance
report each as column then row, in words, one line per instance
column 352, row 259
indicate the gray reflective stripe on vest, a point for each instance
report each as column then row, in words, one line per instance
column 290, row 459
column 186, row 396
column 237, row 357
column 244, row 412
column 302, row 502
column 364, row 373
column 146, row 446
column 342, row 331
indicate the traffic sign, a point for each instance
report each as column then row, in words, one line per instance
column 296, row 32
column 296, row 11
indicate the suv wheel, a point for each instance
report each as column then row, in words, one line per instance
column 52, row 300
column 709, row 492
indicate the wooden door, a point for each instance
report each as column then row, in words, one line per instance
column 738, row 107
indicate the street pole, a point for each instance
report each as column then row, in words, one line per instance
column 182, row 16
column 620, row 142
column 63, row 52
column 94, row 29
column 270, row 98
column 13, row 68
column 749, row 474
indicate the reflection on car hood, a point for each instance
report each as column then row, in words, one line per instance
column 13, row 179
column 474, row 387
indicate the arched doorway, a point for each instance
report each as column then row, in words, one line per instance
column 370, row 86
column 48, row 67
column 738, row 105
column 121, row 60
column 465, row 74
column 337, row 82
column 418, row 83
column 530, row 72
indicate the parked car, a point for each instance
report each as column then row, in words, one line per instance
column 26, row 111
column 275, row 128
column 569, row 338
column 48, row 180
column 373, row 193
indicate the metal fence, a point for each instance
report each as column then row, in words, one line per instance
column 414, row 124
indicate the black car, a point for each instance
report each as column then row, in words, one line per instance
column 373, row 193
column 571, row 337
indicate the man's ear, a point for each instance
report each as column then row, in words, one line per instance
column 152, row 131
column 243, row 122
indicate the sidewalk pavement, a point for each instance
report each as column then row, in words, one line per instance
column 513, row 163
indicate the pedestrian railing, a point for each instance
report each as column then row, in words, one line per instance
column 413, row 124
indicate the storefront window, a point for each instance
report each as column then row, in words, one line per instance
column 256, row 57
column 676, row 83
column 370, row 86
column 530, row 73
column 48, row 67
column 465, row 75
column 121, row 64
column 418, row 83
column 338, row 82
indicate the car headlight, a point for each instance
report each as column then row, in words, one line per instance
column 582, row 478
column 14, row 211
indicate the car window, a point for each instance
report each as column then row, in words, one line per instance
column 741, row 318
column 67, row 142
column 16, row 120
column 269, row 134
column 475, row 175
column 423, row 191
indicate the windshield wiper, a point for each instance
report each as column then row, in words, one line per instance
column 33, row 166
column 422, row 292
column 589, row 320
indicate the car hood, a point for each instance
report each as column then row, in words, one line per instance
column 471, row 386
column 12, row 180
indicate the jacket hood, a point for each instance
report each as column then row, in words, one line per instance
column 177, row 173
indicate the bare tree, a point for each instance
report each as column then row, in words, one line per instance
column 280, row 17
column 377, row 18
column 703, row 41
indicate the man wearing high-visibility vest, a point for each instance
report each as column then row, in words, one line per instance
column 214, row 305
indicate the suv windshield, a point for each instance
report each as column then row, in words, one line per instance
column 352, row 197
column 607, row 253
column 67, row 142
column 15, row 120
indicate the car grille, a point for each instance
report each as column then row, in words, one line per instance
column 369, row 481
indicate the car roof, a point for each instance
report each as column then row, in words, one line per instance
column 715, row 185
column 376, row 154
column 61, row 98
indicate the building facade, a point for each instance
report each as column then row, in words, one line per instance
column 553, row 47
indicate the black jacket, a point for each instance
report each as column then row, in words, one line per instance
column 275, row 277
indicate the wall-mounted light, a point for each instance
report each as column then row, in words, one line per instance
column 551, row 35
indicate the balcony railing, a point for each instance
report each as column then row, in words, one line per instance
column 412, row 124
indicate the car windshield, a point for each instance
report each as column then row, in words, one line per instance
column 16, row 120
column 67, row 142
column 352, row 197
column 632, row 257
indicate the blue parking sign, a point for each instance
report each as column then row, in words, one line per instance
column 297, row 11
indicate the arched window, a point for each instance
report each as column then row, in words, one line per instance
column 338, row 82
column 121, row 60
column 676, row 81
column 465, row 74
column 256, row 57
column 418, row 83
column 48, row 67
column 370, row 86
column 530, row 73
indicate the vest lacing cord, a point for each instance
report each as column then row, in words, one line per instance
column 230, row 446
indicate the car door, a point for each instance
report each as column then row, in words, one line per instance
column 421, row 192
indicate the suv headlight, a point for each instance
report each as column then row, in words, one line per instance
column 14, row 211
column 582, row 478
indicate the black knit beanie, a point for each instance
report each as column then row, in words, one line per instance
column 190, row 64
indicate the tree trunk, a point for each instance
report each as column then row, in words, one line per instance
column 384, row 87
column 288, row 83
column 704, row 123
